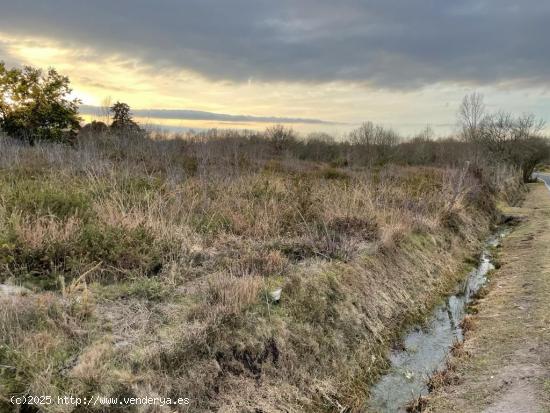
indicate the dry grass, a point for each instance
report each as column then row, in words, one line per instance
column 151, row 264
column 458, row 350
column 443, row 377
column 417, row 405
column 468, row 324
column 39, row 232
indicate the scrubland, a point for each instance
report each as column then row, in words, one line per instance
column 144, row 266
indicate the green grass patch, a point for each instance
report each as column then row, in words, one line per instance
column 39, row 198
column 149, row 289
column 123, row 252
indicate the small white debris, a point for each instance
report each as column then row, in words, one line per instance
column 276, row 294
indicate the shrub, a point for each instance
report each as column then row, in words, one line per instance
column 122, row 252
column 333, row 173
column 339, row 162
column 121, row 248
column 35, row 198
column 149, row 289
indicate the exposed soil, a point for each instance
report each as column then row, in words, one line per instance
column 506, row 363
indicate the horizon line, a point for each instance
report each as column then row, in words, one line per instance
column 189, row 114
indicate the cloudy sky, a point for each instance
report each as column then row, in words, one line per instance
column 315, row 64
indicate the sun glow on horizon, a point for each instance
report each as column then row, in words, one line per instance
column 95, row 75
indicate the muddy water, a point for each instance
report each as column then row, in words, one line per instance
column 425, row 348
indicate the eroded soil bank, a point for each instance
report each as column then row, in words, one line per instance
column 505, row 365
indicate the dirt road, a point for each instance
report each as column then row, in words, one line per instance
column 506, row 367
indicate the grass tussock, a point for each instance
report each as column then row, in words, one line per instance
column 442, row 378
column 417, row 405
column 468, row 324
column 150, row 264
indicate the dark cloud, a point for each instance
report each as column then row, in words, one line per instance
column 387, row 43
column 201, row 115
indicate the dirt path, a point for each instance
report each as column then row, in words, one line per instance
column 507, row 363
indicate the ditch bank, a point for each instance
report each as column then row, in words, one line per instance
column 425, row 349
column 505, row 362
column 335, row 323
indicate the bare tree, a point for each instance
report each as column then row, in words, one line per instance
column 470, row 115
column 280, row 136
column 517, row 140
column 427, row 134
column 497, row 129
column 373, row 143
column 527, row 125
column 363, row 135
column 105, row 109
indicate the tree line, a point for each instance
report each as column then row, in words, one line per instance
column 37, row 105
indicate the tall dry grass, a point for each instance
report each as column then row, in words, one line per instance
column 150, row 262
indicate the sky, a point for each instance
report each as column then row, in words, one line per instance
column 315, row 65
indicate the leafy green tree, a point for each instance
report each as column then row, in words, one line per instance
column 122, row 119
column 121, row 114
column 36, row 105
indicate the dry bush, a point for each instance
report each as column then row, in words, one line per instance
column 38, row 335
column 93, row 364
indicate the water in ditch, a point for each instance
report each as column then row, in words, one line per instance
column 425, row 348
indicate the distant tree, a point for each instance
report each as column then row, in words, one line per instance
column 374, row 143
column 122, row 119
column 280, row 136
column 121, row 115
column 470, row 115
column 364, row 134
column 517, row 140
column 369, row 134
column 426, row 134
column 36, row 105
column 105, row 110
column 321, row 137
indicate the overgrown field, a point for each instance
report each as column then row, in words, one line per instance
column 146, row 269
